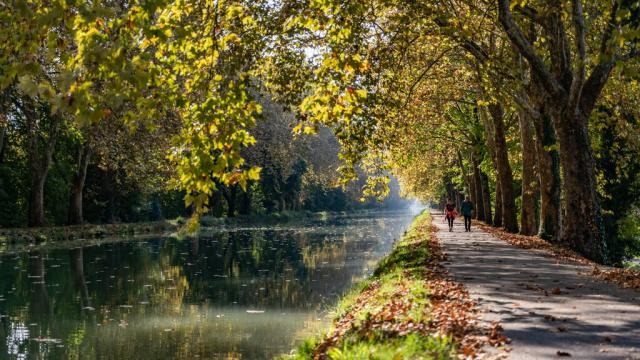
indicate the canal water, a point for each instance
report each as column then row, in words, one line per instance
column 250, row 292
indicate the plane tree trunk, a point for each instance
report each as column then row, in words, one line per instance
column 478, row 202
column 497, row 218
column 549, row 175
column 503, row 170
column 528, row 221
column 75, row 216
column 40, row 156
column 582, row 225
column 486, row 197
column 572, row 95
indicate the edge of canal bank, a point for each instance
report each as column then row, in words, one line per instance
column 60, row 234
column 408, row 309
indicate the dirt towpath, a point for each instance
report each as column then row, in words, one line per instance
column 547, row 307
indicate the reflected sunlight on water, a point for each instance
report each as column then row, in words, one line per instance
column 250, row 292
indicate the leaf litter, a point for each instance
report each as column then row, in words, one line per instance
column 444, row 310
column 626, row 278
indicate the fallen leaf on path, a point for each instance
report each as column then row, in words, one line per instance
column 562, row 328
column 563, row 353
column 626, row 278
column 452, row 312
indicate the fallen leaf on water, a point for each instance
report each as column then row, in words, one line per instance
column 47, row 340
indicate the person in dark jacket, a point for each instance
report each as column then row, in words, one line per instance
column 466, row 208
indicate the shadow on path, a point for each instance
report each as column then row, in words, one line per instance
column 545, row 305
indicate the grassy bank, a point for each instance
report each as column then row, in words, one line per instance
column 402, row 312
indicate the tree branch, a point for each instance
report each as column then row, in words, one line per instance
column 526, row 49
column 475, row 50
column 524, row 103
column 423, row 74
column 579, row 74
column 600, row 73
column 529, row 12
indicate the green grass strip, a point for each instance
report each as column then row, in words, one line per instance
column 387, row 316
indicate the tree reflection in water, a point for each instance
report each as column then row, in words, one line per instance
column 177, row 299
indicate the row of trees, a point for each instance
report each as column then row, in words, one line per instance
column 113, row 174
column 50, row 169
column 529, row 106
column 113, row 111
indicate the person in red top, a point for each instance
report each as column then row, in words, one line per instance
column 450, row 213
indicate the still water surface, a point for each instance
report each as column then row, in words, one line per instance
column 238, row 293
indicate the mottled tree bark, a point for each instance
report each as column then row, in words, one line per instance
column 479, row 206
column 497, row 218
column 503, row 170
column 572, row 95
column 549, row 175
column 582, row 224
column 490, row 141
column 528, row 221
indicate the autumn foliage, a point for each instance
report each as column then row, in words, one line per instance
column 409, row 307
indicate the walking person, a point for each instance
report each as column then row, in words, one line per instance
column 450, row 213
column 466, row 208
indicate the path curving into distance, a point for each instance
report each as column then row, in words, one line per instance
column 546, row 306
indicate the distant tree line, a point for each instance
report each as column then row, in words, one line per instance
column 53, row 174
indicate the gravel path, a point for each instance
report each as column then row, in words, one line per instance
column 547, row 307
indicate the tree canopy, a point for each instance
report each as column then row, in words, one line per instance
column 528, row 107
